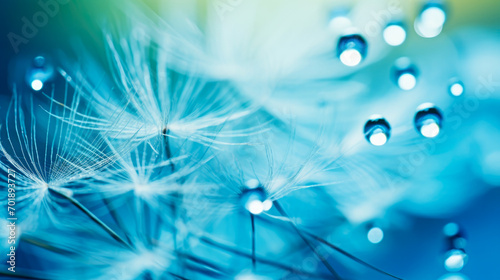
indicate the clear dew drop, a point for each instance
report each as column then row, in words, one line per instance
column 254, row 200
column 428, row 120
column 377, row 130
column 39, row 73
column 405, row 74
column 36, row 84
column 394, row 34
column 351, row 49
column 430, row 21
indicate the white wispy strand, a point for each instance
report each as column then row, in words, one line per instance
column 52, row 160
column 149, row 100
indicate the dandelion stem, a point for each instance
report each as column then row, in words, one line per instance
column 115, row 216
column 253, row 240
column 229, row 248
column 16, row 275
column 203, row 262
column 343, row 252
column 316, row 252
column 94, row 218
column 168, row 152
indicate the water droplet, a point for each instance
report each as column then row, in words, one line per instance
column 455, row 260
column 255, row 200
column 394, row 34
column 456, row 87
column 428, row 120
column 430, row 21
column 375, row 235
column 405, row 73
column 351, row 49
column 36, row 84
column 377, row 130
column 39, row 73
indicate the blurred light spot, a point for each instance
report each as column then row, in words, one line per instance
column 377, row 130
column 339, row 22
column 491, row 168
column 456, row 89
column 450, row 229
column 350, row 57
column 455, row 260
column 430, row 129
column 36, row 84
column 407, row 81
column 375, row 235
column 268, row 204
column 254, row 200
column 252, row 183
column 454, row 276
column 394, row 34
column 430, row 22
column 433, row 17
column 378, row 138
column 246, row 275
column 459, row 242
column 255, row 207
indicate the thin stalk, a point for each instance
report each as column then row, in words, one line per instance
column 94, row 218
column 316, row 252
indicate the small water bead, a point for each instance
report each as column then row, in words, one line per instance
column 428, row 120
column 430, row 21
column 351, row 49
column 36, row 84
column 455, row 257
column 405, row 74
column 456, row 88
column 454, row 236
column 377, row 130
column 40, row 72
column 394, row 34
column 254, row 198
